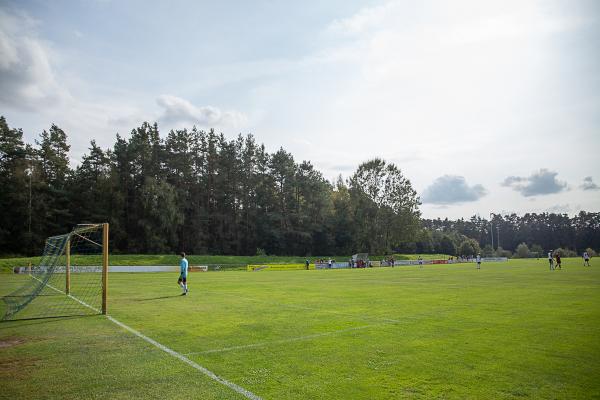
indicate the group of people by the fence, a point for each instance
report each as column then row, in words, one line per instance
column 554, row 259
column 330, row 263
column 463, row 258
column 388, row 262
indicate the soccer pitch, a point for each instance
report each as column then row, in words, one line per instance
column 509, row 330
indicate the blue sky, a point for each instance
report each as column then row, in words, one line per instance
column 486, row 106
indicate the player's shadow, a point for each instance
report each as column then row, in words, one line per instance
column 158, row 298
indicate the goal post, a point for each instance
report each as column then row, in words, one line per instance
column 104, row 266
column 70, row 279
column 68, row 268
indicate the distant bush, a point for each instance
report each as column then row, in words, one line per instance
column 536, row 251
column 447, row 245
column 500, row 252
column 565, row 252
column 591, row 252
column 487, row 251
column 469, row 247
column 522, row 251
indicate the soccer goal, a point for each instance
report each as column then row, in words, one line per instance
column 70, row 279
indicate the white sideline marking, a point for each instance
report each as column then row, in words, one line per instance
column 296, row 339
column 83, row 303
column 186, row 360
column 210, row 374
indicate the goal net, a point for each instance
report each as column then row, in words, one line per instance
column 70, row 279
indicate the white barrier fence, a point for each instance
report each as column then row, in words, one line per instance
column 336, row 265
column 453, row 261
column 204, row 268
column 112, row 268
column 376, row 263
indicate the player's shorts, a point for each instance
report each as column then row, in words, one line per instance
column 182, row 278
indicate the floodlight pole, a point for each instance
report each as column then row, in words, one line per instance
column 492, row 230
column 29, row 172
column 104, row 266
column 498, row 235
column 68, row 269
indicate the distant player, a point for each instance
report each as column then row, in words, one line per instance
column 183, row 271
column 329, row 263
column 551, row 260
column 420, row 262
column 586, row 259
column 478, row 259
column 307, row 263
column 558, row 260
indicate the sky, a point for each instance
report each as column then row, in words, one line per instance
column 486, row 106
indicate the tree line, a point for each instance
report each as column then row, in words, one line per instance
column 531, row 233
column 197, row 191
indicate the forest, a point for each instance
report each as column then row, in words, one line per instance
column 199, row 192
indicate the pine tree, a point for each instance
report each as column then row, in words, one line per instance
column 90, row 187
column 51, row 204
column 15, row 181
column 386, row 206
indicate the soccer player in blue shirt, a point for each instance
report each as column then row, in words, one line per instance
column 183, row 271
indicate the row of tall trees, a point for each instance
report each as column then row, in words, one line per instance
column 540, row 232
column 199, row 192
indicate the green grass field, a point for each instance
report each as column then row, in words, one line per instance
column 510, row 330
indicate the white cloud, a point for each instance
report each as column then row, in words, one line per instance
column 541, row 182
column 589, row 184
column 178, row 111
column 526, row 20
column 461, row 21
column 27, row 77
column 452, row 189
column 365, row 19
